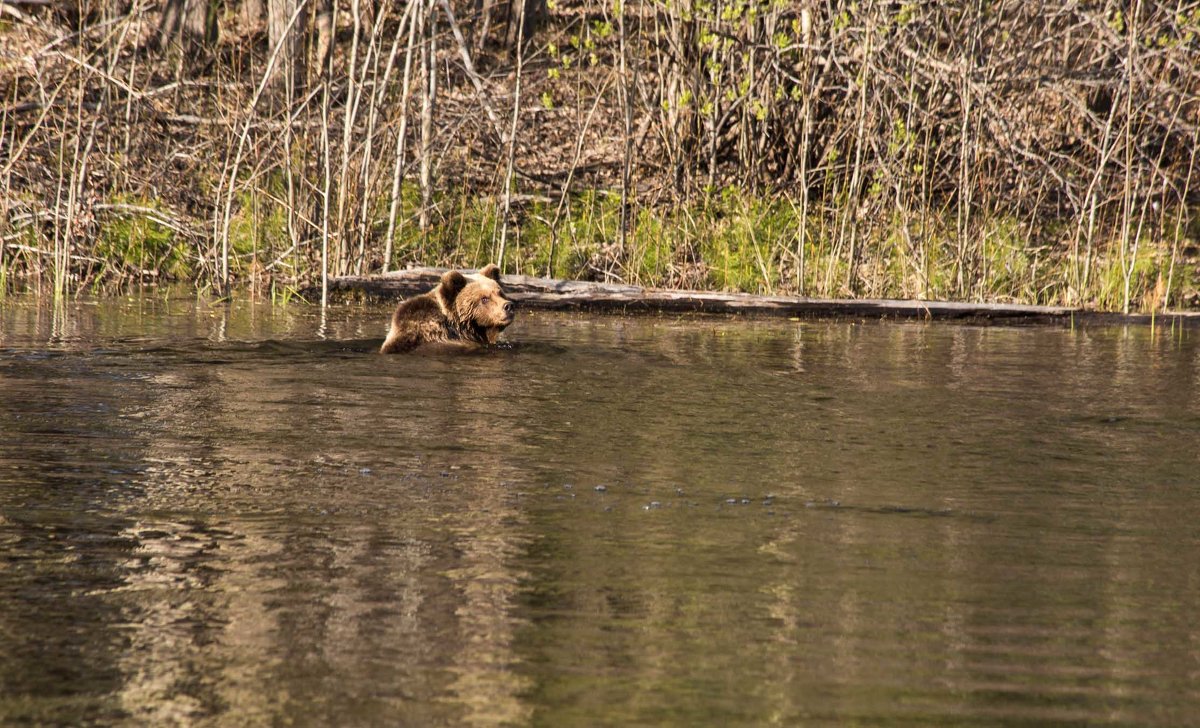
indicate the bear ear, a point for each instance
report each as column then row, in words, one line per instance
column 452, row 284
column 491, row 270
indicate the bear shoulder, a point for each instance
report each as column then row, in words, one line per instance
column 416, row 320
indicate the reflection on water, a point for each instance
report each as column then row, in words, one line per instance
column 240, row 514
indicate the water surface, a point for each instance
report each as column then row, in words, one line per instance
column 241, row 515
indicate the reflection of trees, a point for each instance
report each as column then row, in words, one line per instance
column 975, row 500
column 61, row 548
column 262, row 572
column 360, row 608
column 173, row 610
column 239, row 562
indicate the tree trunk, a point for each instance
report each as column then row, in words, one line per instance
column 282, row 31
column 251, row 14
column 427, row 102
column 523, row 16
column 324, row 28
column 193, row 22
column 483, row 21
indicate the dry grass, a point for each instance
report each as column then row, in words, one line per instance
column 1008, row 150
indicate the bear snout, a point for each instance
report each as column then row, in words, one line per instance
column 507, row 314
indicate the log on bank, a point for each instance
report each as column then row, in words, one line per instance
column 565, row 295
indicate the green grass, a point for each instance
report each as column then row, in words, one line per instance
column 131, row 241
column 729, row 241
column 258, row 229
column 1144, row 270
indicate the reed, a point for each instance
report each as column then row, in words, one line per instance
column 1005, row 151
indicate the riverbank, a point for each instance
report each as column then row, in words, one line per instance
column 837, row 150
column 733, row 242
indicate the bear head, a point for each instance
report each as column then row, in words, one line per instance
column 475, row 303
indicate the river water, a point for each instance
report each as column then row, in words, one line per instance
column 240, row 514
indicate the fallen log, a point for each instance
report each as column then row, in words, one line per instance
column 564, row 295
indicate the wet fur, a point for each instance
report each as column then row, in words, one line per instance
column 454, row 314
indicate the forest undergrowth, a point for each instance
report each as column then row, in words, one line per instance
column 998, row 150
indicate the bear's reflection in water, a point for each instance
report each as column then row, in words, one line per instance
column 479, row 435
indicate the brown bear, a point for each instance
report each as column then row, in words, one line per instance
column 465, row 310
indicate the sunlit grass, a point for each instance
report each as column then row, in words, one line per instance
column 728, row 240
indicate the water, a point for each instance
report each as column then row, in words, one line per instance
column 241, row 515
